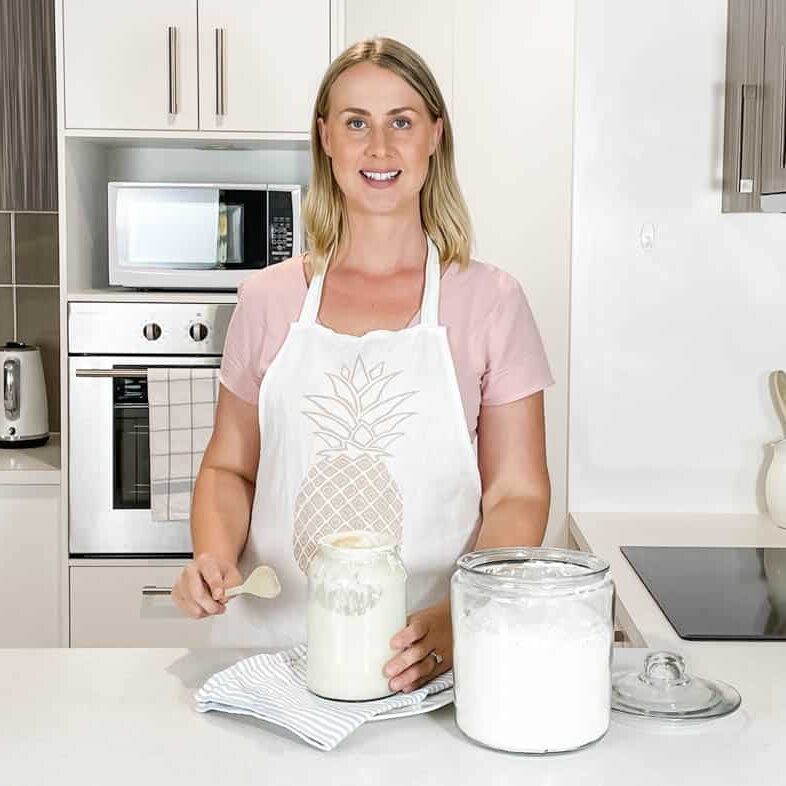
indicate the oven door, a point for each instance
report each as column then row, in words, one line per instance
column 109, row 460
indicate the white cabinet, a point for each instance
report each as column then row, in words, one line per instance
column 261, row 62
column 130, row 606
column 242, row 65
column 424, row 25
column 29, row 565
column 130, row 65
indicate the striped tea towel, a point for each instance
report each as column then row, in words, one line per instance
column 182, row 404
column 272, row 688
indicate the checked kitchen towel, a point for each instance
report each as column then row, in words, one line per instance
column 273, row 688
column 182, row 403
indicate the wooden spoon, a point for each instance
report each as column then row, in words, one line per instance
column 779, row 393
column 262, row 582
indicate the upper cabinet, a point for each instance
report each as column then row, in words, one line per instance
column 754, row 153
column 773, row 149
column 130, row 65
column 260, row 63
column 188, row 65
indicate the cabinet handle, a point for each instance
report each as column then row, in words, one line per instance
column 746, row 164
column 153, row 590
column 220, row 72
column 783, row 107
column 172, row 52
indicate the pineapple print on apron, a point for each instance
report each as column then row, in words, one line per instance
column 357, row 432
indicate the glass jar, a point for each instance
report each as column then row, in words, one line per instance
column 356, row 604
column 532, row 637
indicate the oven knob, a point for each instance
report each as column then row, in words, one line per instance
column 151, row 331
column 198, row 331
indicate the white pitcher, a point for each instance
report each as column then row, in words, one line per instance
column 775, row 484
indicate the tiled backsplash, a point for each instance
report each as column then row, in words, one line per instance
column 29, row 292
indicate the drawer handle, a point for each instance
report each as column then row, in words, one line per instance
column 149, row 590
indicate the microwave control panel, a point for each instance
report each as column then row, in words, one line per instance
column 280, row 241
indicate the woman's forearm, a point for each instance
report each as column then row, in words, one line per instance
column 514, row 521
column 220, row 513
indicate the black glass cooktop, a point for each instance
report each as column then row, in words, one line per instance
column 716, row 593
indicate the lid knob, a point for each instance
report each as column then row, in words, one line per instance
column 665, row 669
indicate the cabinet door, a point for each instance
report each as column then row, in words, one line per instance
column 261, row 63
column 29, row 565
column 118, row 606
column 424, row 25
column 130, row 65
column 743, row 109
column 773, row 151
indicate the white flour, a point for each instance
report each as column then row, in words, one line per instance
column 533, row 674
column 355, row 608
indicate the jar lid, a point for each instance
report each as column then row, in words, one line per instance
column 664, row 689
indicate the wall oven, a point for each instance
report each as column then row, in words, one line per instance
column 111, row 346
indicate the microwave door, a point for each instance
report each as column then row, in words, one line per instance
column 167, row 228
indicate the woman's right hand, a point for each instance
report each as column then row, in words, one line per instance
column 200, row 590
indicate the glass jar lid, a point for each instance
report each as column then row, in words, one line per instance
column 664, row 689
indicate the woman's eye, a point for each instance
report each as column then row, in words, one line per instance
column 397, row 120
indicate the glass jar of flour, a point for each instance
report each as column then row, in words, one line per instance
column 532, row 638
column 356, row 604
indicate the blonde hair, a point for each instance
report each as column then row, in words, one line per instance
column 443, row 212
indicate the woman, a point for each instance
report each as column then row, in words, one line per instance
column 367, row 414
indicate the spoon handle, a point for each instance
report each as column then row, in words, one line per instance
column 780, row 394
column 232, row 591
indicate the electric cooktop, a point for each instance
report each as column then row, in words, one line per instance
column 716, row 593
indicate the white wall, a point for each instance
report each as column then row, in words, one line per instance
column 512, row 117
column 670, row 348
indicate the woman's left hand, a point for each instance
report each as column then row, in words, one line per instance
column 428, row 631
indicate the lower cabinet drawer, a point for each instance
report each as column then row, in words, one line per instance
column 113, row 606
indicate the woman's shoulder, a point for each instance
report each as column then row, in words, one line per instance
column 481, row 286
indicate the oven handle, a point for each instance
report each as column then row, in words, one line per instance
column 151, row 590
column 112, row 372
column 140, row 373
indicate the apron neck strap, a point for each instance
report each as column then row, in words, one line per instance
column 429, row 307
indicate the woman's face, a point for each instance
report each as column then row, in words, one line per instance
column 378, row 123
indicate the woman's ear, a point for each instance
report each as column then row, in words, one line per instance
column 323, row 136
column 438, row 125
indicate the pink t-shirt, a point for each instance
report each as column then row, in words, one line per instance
column 496, row 347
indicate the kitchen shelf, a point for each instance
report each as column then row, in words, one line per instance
column 205, row 140
column 31, row 466
column 136, row 296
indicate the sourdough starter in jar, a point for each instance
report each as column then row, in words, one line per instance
column 356, row 604
column 532, row 633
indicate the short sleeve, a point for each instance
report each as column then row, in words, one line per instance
column 516, row 363
column 240, row 371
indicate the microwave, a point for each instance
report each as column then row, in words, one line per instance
column 199, row 235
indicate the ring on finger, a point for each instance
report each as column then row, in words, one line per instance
column 437, row 657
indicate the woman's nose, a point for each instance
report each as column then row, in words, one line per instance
column 377, row 142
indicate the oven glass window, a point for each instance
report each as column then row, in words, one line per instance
column 130, row 414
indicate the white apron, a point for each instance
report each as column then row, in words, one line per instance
column 357, row 432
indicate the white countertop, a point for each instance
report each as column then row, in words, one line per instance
column 126, row 717
column 85, row 716
column 31, row 466
column 756, row 669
